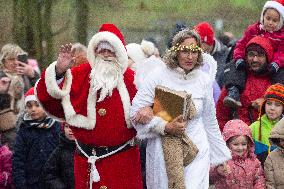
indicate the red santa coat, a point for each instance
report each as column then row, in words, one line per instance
column 121, row 170
column 75, row 102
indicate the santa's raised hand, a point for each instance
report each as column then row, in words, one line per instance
column 65, row 59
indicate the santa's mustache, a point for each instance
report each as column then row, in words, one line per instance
column 105, row 76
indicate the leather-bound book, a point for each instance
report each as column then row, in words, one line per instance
column 168, row 104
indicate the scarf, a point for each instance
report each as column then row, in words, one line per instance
column 46, row 123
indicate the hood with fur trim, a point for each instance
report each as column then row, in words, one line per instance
column 277, row 132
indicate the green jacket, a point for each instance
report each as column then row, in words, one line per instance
column 262, row 146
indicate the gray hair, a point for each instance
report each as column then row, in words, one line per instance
column 170, row 57
column 78, row 47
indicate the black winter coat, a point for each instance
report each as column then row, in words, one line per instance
column 59, row 168
column 220, row 55
column 32, row 149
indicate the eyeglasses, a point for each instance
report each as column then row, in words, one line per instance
column 252, row 54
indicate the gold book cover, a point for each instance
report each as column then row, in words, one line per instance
column 168, row 104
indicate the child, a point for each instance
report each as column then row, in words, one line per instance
column 244, row 169
column 270, row 25
column 58, row 170
column 274, row 164
column 37, row 137
column 5, row 167
column 271, row 112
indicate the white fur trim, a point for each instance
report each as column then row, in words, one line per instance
column 52, row 116
column 277, row 6
column 208, row 59
column 78, row 120
column 30, row 98
column 135, row 52
column 148, row 48
column 159, row 125
column 52, row 86
column 118, row 46
column 124, row 95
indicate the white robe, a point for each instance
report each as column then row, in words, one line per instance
column 203, row 129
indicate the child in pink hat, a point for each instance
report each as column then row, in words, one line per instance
column 244, row 169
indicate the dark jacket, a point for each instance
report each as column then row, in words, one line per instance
column 220, row 54
column 32, row 149
column 59, row 169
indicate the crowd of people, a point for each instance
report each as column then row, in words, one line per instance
column 87, row 121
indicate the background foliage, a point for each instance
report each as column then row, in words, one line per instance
column 41, row 26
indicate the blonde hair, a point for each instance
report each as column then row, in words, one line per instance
column 10, row 51
column 170, row 58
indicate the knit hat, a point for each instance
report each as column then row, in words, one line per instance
column 206, row 32
column 30, row 96
column 278, row 5
column 263, row 42
column 108, row 33
column 139, row 52
column 274, row 92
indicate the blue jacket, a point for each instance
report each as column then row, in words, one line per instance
column 32, row 149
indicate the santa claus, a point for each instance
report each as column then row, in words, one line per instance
column 94, row 98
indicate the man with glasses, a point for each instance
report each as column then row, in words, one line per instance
column 251, row 83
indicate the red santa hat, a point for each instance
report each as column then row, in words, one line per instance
column 108, row 33
column 30, row 95
column 278, row 5
column 206, row 32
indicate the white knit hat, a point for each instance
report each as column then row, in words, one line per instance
column 278, row 5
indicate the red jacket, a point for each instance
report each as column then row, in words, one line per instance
column 121, row 170
column 5, row 168
column 277, row 39
column 255, row 88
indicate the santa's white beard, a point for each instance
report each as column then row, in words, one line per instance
column 105, row 76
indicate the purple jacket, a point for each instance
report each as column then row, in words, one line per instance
column 5, row 168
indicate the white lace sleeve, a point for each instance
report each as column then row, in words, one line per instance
column 145, row 98
column 219, row 152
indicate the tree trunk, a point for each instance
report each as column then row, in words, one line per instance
column 81, row 25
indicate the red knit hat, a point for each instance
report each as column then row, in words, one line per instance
column 30, row 95
column 113, row 29
column 206, row 32
column 265, row 43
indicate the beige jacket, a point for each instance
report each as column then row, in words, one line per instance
column 274, row 164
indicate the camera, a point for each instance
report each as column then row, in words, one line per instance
column 23, row 58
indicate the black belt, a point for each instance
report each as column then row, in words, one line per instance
column 91, row 150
